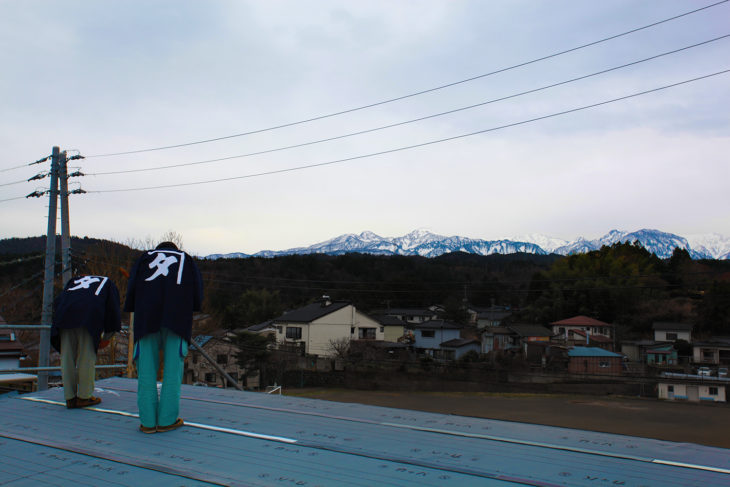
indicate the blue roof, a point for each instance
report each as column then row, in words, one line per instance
column 201, row 340
column 591, row 352
column 248, row 438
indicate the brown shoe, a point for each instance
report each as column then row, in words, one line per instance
column 71, row 403
column 147, row 429
column 91, row 401
column 179, row 422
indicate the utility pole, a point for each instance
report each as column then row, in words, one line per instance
column 65, row 225
column 47, row 314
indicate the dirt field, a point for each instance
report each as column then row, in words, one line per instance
column 706, row 424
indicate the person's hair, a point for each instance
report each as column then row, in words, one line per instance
column 167, row 245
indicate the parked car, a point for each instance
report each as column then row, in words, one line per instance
column 704, row 371
column 722, row 372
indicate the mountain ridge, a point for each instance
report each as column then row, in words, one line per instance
column 426, row 244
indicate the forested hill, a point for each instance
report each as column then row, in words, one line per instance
column 622, row 284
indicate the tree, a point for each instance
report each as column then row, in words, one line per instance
column 254, row 351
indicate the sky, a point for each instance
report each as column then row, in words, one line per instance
column 103, row 77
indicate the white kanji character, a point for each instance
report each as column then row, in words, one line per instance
column 84, row 283
column 163, row 263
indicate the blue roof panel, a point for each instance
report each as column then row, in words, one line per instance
column 247, row 438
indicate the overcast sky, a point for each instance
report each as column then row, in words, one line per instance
column 104, row 77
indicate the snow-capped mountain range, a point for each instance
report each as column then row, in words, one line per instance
column 427, row 244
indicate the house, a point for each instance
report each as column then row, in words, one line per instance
column 220, row 348
column 393, row 327
column 265, row 328
column 650, row 352
column 11, row 352
column 411, row 316
column 715, row 351
column 661, row 355
column 456, row 348
column 429, row 336
column 314, row 328
column 497, row 339
column 594, row 360
column 694, row 388
column 670, row 332
column 492, row 316
column 586, row 325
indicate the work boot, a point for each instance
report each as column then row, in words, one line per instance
column 71, row 403
column 91, row 401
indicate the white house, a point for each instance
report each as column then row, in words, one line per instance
column 669, row 332
column 429, row 335
column 315, row 327
column 682, row 391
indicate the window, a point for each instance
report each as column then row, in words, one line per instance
column 279, row 329
column 603, row 364
column 352, row 330
column 671, row 336
column 294, row 332
column 222, row 358
column 670, row 388
column 382, row 329
column 708, row 354
column 210, row 377
column 428, row 333
column 195, row 358
column 713, row 391
column 366, row 334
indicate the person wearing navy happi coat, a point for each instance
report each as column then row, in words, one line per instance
column 165, row 287
column 86, row 312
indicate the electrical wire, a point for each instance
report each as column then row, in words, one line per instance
column 403, row 97
column 420, row 119
column 14, row 182
column 423, row 144
column 11, row 199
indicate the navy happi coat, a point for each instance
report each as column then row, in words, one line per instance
column 90, row 302
column 165, row 287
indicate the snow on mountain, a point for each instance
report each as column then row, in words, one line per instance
column 714, row 244
column 426, row 244
column 545, row 242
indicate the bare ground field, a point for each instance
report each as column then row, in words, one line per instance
column 705, row 424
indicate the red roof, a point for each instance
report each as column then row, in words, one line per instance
column 580, row 321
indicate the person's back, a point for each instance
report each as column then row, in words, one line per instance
column 165, row 288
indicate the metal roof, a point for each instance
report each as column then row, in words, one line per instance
column 591, row 352
column 310, row 312
column 254, row 439
column 665, row 325
column 580, row 320
column 527, row 330
column 437, row 325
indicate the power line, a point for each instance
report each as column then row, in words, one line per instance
column 429, row 90
column 352, row 134
column 423, row 144
column 11, row 199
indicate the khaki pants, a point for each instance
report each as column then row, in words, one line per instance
column 78, row 359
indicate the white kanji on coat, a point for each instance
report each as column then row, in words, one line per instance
column 163, row 263
column 84, row 283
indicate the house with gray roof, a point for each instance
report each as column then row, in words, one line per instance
column 429, row 335
column 315, row 329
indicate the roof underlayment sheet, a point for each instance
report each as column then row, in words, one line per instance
column 254, row 439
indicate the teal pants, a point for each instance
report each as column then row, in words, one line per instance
column 165, row 409
column 78, row 359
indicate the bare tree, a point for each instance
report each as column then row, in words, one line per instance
column 339, row 347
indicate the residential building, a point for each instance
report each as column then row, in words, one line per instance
column 670, row 332
column 393, row 327
column 586, row 325
column 220, row 348
column 429, row 336
column 457, row 348
column 313, row 329
column 496, row 339
column 410, row 316
column 594, row 360
column 692, row 389
column 715, row 351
